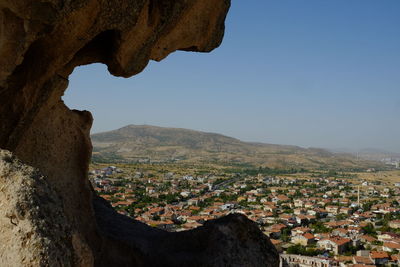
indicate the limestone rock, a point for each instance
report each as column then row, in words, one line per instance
column 33, row 227
column 41, row 42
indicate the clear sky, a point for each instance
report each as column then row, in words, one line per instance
column 314, row 73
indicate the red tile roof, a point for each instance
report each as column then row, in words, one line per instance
column 308, row 235
column 378, row 254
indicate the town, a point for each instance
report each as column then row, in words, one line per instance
column 313, row 218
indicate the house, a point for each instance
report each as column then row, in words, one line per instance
column 311, row 218
column 344, row 201
column 278, row 244
column 304, row 240
column 251, row 199
column 340, row 232
column 322, row 213
column 300, row 231
column 268, row 218
column 318, row 212
column 391, row 246
column 279, row 226
column 355, row 230
column 280, row 198
column 379, row 257
column 342, row 259
column 156, row 211
column 269, row 207
column 298, row 203
column 191, row 225
column 394, row 224
column 332, row 210
column 273, row 233
column 150, row 190
column 301, row 219
column 367, row 239
column 387, row 236
column 193, row 201
column 287, row 219
column 336, row 224
column 362, row 260
column 167, row 225
column 228, row 206
column 395, row 258
column 344, row 210
column 298, row 260
column 337, row 245
column 309, row 205
column 299, row 211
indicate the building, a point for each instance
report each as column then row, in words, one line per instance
column 340, row 232
column 379, row 257
column 300, row 231
column 332, row 210
column 394, row 224
column 304, row 240
column 337, row 245
column 364, row 260
column 290, row 260
column 391, row 246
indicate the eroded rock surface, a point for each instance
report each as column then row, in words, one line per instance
column 233, row 240
column 41, row 42
column 34, row 230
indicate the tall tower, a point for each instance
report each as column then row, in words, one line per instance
column 358, row 196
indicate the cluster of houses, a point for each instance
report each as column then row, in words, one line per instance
column 312, row 221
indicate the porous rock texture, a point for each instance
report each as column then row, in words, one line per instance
column 54, row 218
column 34, row 230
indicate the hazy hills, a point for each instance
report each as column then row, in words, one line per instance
column 376, row 154
column 141, row 142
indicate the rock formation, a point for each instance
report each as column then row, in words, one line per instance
column 34, row 230
column 54, row 218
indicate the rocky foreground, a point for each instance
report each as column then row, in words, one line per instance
column 50, row 215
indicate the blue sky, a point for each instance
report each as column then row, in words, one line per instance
column 303, row 72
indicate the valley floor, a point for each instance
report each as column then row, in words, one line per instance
column 316, row 217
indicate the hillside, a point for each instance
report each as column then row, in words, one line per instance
column 377, row 154
column 158, row 144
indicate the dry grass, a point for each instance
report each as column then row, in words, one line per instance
column 383, row 176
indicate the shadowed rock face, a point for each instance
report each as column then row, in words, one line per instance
column 41, row 42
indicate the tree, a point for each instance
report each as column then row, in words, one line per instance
column 369, row 229
column 301, row 250
column 331, row 173
column 285, row 236
column 341, row 216
column 296, row 249
column 319, row 227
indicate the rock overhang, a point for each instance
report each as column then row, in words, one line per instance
column 41, row 42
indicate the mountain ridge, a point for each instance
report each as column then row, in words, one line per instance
column 134, row 142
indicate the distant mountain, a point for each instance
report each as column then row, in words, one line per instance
column 159, row 144
column 374, row 154
column 377, row 154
